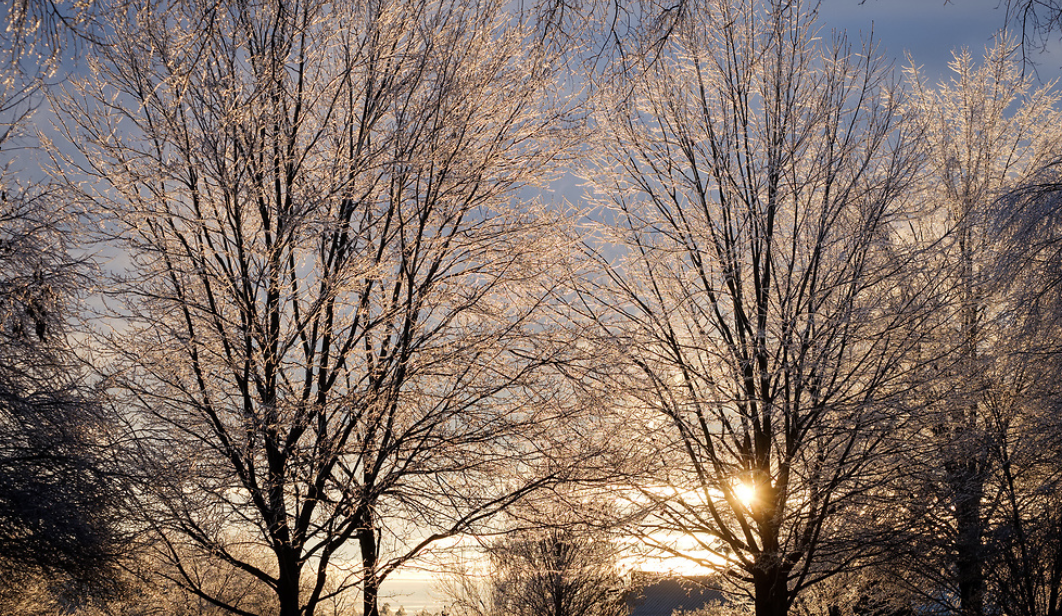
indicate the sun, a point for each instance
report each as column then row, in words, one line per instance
column 745, row 493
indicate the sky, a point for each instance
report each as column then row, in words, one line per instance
column 929, row 30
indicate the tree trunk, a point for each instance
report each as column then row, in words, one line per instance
column 969, row 549
column 288, row 584
column 370, row 586
column 967, row 478
column 772, row 593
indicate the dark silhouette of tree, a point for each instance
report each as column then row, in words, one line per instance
column 556, row 572
column 552, row 570
column 57, row 498
column 1025, row 540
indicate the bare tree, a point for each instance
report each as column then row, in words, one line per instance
column 1024, row 541
column 986, row 130
column 1036, row 20
column 761, row 303
column 557, row 572
column 551, row 565
column 40, row 33
column 1024, row 538
column 329, row 333
column 58, row 531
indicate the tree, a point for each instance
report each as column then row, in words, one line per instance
column 1024, row 542
column 1025, row 537
column 547, row 571
column 39, row 35
column 556, row 572
column 1036, row 20
column 986, row 131
column 325, row 338
column 754, row 177
column 57, row 499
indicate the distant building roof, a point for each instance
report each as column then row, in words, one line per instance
column 663, row 595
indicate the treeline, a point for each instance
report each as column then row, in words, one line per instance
column 288, row 305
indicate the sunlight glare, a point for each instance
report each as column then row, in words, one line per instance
column 745, row 493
